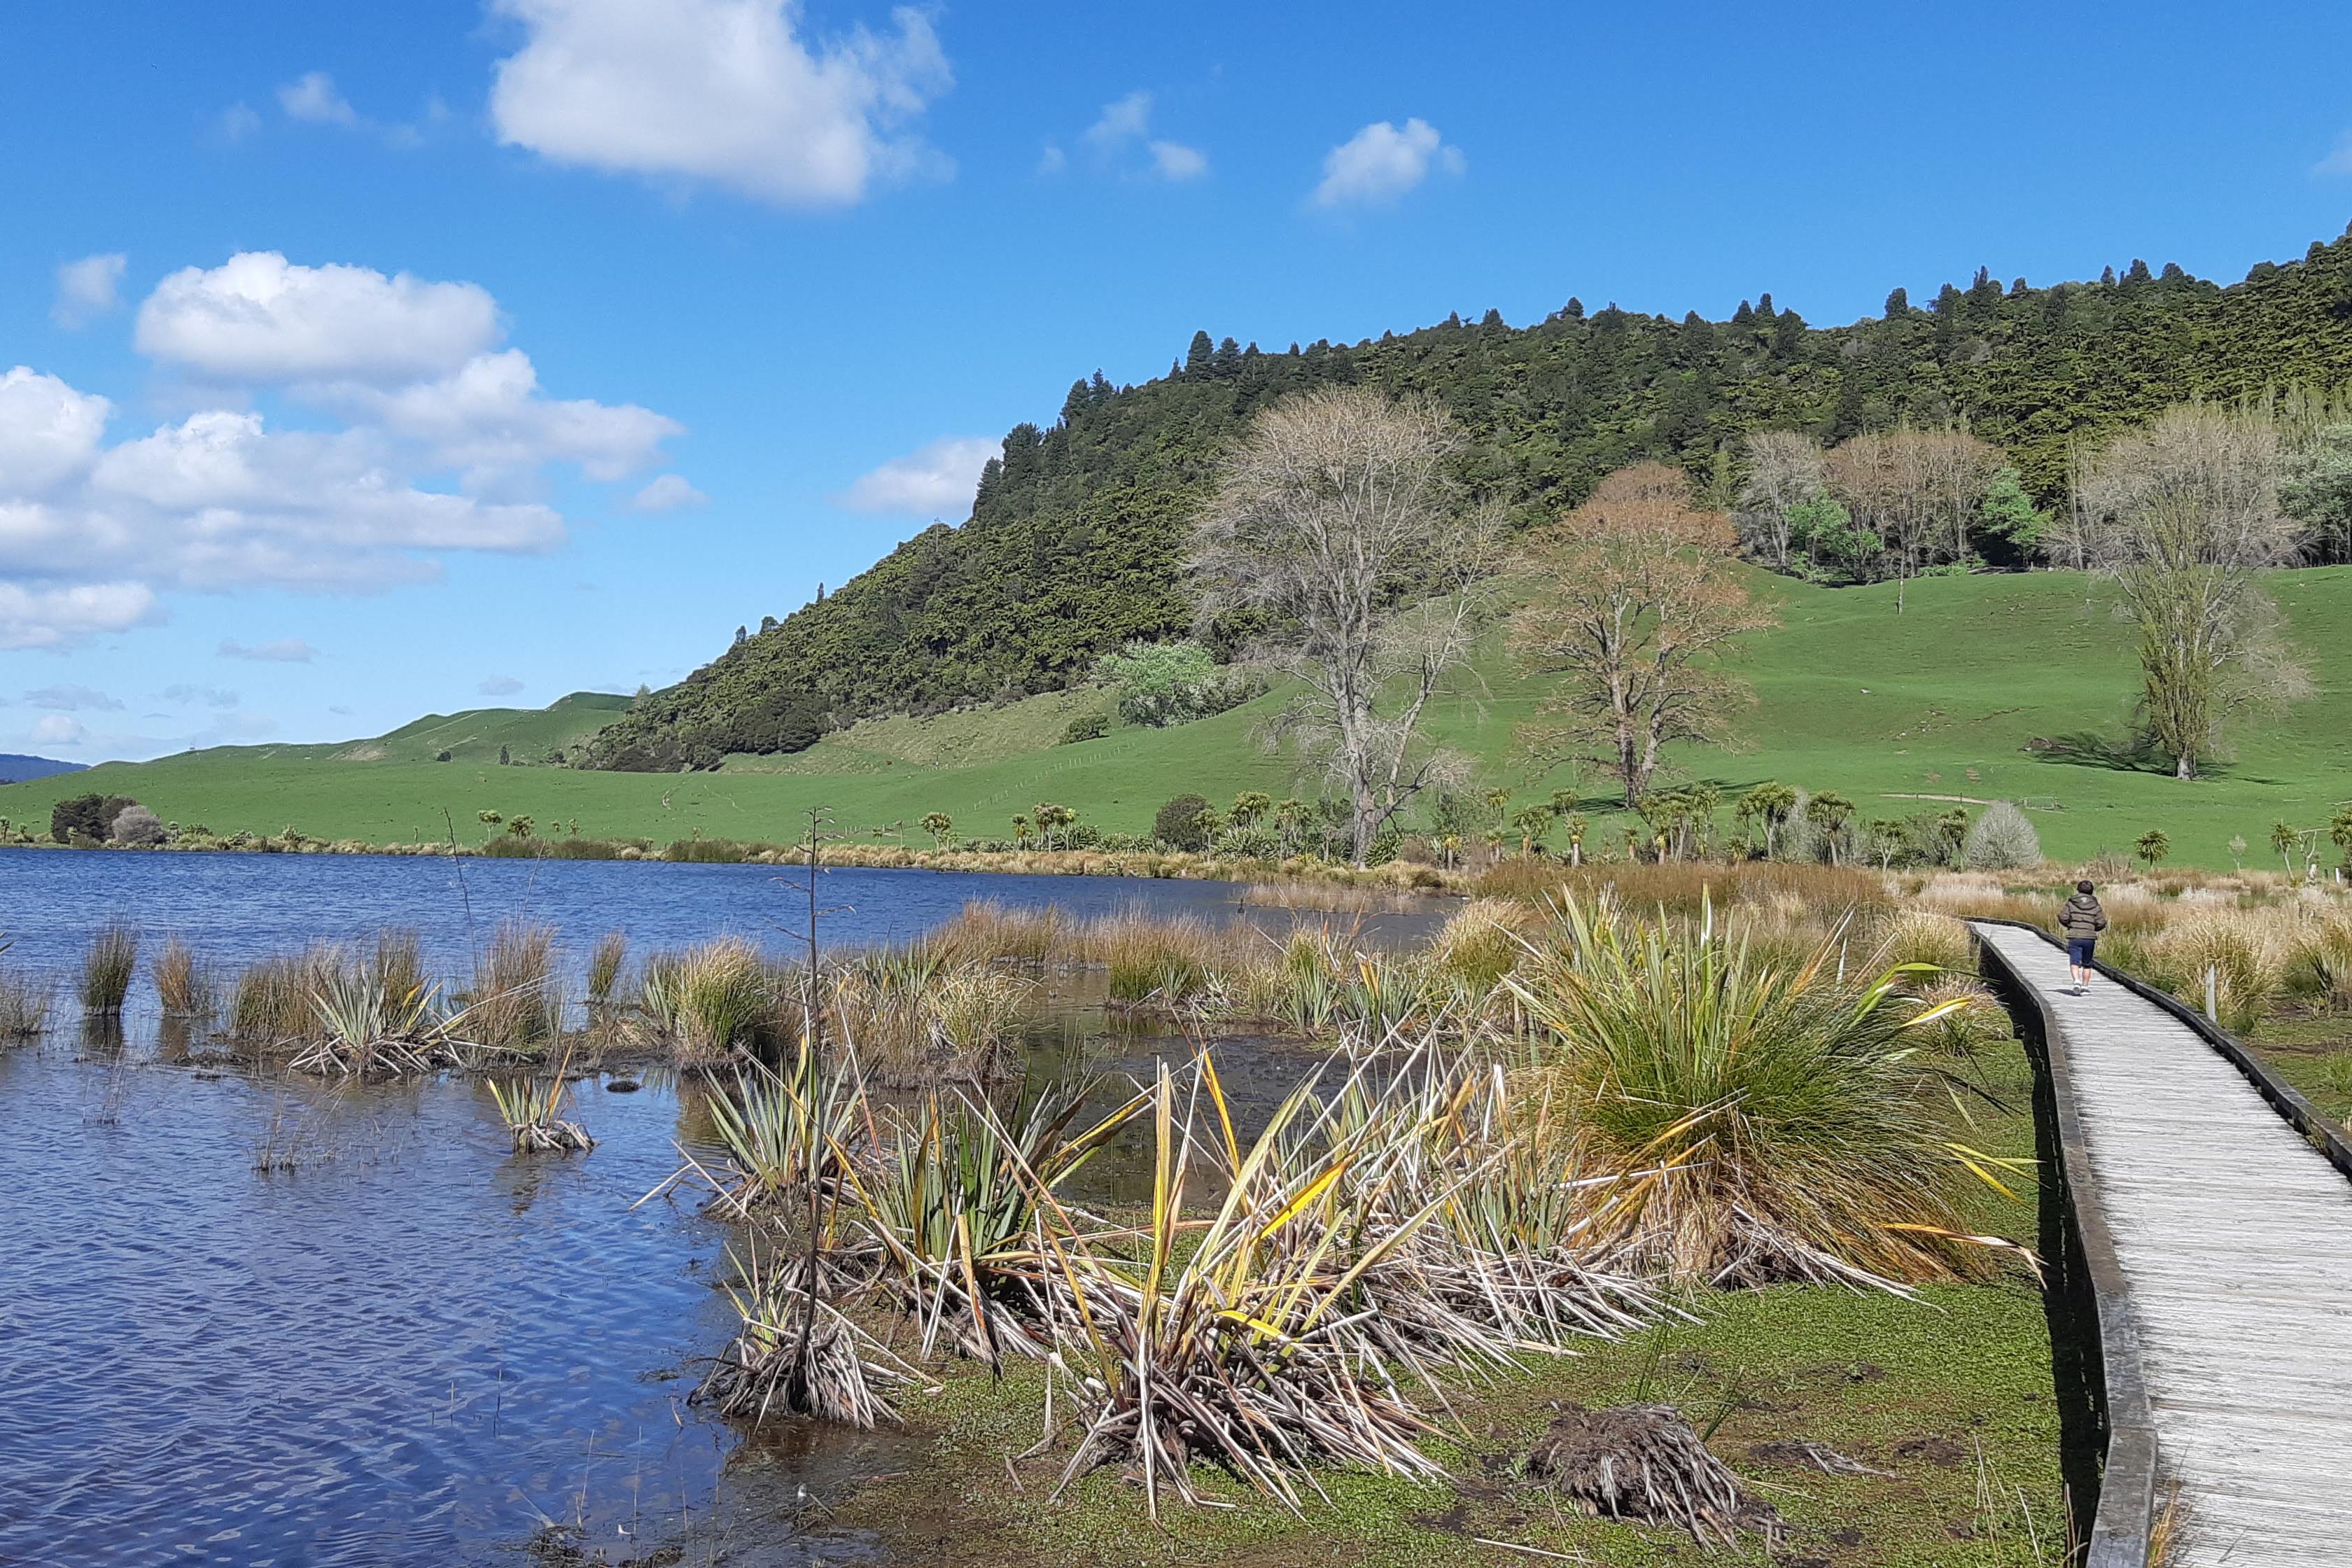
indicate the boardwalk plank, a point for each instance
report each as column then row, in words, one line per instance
column 2235, row 1237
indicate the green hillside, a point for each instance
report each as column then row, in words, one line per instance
column 1075, row 532
column 1940, row 700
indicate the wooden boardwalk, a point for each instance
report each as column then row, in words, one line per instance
column 2234, row 1237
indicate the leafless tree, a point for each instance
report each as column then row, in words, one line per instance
column 1917, row 490
column 1784, row 472
column 1636, row 597
column 1338, row 518
column 2183, row 516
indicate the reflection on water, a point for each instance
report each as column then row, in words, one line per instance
column 254, row 1320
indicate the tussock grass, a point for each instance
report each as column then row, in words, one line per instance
column 1759, row 1118
column 605, row 960
column 987, row 930
column 915, row 1015
column 271, row 1004
column 24, row 1006
column 513, row 1003
column 1164, row 961
column 709, row 1002
column 183, row 986
column 108, row 968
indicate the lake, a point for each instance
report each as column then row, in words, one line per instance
column 416, row 1346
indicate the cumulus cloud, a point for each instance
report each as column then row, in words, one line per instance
column 1121, row 139
column 73, row 699
column 187, row 695
column 666, row 492
column 56, row 730
column 87, row 289
column 1383, row 162
column 258, row 318
column 49, row 432
column 58, row 616
column 498, row 686
column 723, row 91
column 286, row 650
column 445, row 445
column 488, row 420
column 937, row 479
column 312, row 98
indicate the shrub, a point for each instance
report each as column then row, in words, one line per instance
column 1170, row 683
column 2001, row 840
column 136, row 825
column 86, row 816
column 1086, row 727
column 1179, row 823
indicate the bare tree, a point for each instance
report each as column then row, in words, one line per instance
column 1784, row 472
column 1917, row 490
column 1338, row 518
column 2182, row 516
column 1636, row 596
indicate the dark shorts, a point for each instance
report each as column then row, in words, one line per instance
column 2078, row 950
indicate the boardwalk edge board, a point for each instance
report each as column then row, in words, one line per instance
column 2123, row 1529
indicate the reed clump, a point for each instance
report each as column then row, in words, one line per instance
column 271, row 1004
column 184, row 987
column 1165, row 962
column 513, row 1003
column 24, row 1006
column 108, row 967
column 708, row 1003
column 987, row 931
column 605, row 960
column 918, row 1014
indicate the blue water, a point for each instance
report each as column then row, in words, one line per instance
column 415, row 1347
column 234, row 909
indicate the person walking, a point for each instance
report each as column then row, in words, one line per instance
column 2081, row 921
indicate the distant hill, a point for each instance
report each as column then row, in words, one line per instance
column 476, row 734
column 15, row 769
column 1076, row 532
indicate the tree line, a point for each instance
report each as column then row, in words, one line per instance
column 1078, row 533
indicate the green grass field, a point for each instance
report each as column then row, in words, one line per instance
column 1941, row 700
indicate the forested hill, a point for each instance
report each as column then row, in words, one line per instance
column 1076, row 532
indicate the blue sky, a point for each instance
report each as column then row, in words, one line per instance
column 380, row 361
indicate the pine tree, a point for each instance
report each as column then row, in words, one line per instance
column 1898, row 303
column 1197, row 357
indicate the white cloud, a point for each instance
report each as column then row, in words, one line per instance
column 1053, row 159
column 87, row 290
column 1383, row 162
column 666, row 492
column 1174, row 161
column 56, row 730
column 259, row 318
column 445, row 445
column 488, row 420
column 718, row 90
column 286, row 650
column 208, row 695
column 312, row 99
column 73, row 699
column 937, row 478
column 49, row 432
column 1127, row 119
column 56, row 616
column 499, row 685
column 2339, row 162
column 239, row 122
column 1124, row 126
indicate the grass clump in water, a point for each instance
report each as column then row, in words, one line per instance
column 513, row 1003
column 532, row 1110
column 605, row 960
column 183, row 986
column 710, row 1001
column 24, row 1003
column 108, row 967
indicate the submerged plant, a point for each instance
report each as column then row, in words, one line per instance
column 108, row 967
